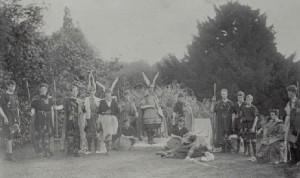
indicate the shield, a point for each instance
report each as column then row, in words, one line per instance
column 122, row 143
column 174, row 143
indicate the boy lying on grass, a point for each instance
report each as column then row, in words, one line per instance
column 191, row 147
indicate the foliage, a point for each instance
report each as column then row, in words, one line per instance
column 130, row 75
column 27, row 54
column 167, row 96
column 236, row 50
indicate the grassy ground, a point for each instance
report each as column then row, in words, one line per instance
column 138, row 163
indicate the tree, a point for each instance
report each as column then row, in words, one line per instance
column 21, row 42
column 236, row 50
column 130, row 75
column 71, row 58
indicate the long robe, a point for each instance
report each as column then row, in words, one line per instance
column 78, row 111
column 223, row 122
column 272, row 148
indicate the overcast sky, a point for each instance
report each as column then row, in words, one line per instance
column 150, row 29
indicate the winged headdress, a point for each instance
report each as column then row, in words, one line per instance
column 105, row 89
column 149, row 84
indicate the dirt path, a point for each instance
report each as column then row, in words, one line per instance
column 138, row 164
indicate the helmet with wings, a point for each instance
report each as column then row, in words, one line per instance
column 107, row 89
column 149, row 84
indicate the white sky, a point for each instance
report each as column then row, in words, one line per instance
column 150, row 29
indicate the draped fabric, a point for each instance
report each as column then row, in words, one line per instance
column 272, row 146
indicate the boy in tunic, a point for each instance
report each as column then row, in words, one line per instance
column 126, row 131
column 43, row 117
column 128, row 110
column 177, row 133
column 292, row 126
column 91, row 104
column 72, row 111
column 224, row 117
column 178, row 110
column 179, row 130
column 237, row 119
column 249, row 123
column 9, row 111
column 108, row 110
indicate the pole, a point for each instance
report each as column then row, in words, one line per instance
column 28, row 92
column 32, row 131
column 298, row 93
column 214, row 118
column 56, row 137
column 55, row 111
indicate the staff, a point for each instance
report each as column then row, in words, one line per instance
column 214, row 115
column 32, row 118
column 55, row 110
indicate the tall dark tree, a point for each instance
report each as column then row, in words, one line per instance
column 71, row 57
column 236, row 50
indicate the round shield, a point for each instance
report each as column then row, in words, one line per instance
column 122, row 143
column 173, row 143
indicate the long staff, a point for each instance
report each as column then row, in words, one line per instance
column 55, row 111
column 56, row 138
column 214, row 117
column 32, row 133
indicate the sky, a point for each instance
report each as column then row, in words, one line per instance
column 149, row 30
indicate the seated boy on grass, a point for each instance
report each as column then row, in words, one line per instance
column 126, row 131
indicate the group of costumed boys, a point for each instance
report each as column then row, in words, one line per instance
column 280, row 142
column 240, row 118
column 84, row 119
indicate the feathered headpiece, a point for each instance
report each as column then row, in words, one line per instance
column 148, row 81
column 108, row 89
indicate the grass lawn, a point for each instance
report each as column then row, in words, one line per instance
column 138, row 163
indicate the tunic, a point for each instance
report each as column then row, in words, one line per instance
column 293, row 119
column 248, row 116
column 128, row 111
column 223, row 119
column 178, row 109
column 237, row 109
column 179, row 132
column 73, row 114
column 42, row 122
column 9, row 104
column 109, row 122
column 43, row 118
